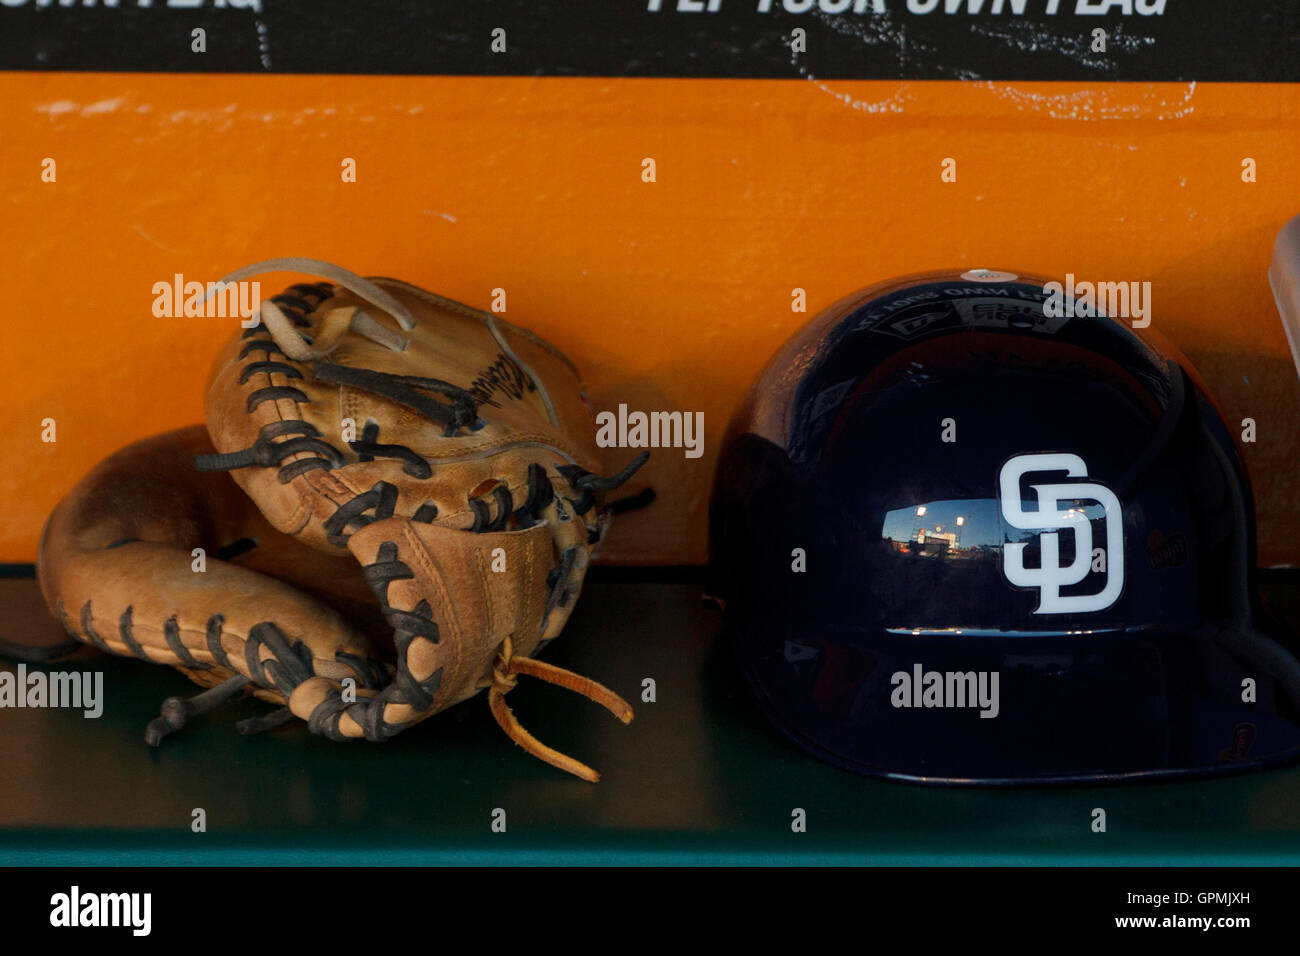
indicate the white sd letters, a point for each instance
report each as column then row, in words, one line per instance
column 1049, row 519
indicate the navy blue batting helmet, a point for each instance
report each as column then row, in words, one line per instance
column 967, row 530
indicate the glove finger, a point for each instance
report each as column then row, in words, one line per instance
column 118, row 564
column 144, row 600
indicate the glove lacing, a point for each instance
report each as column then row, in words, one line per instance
column 302, row 347
column 338, row 321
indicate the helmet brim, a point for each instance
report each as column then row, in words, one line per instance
column 1071, row 709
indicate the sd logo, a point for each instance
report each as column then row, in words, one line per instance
column 1050, row 520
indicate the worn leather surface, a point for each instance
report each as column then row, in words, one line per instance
column 441, row 599
column 452, row 343
column 150, row 496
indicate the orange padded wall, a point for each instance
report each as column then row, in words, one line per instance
column 668, row 295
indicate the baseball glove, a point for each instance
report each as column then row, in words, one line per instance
column 448, row 453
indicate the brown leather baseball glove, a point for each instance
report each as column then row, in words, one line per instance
column 448, row 453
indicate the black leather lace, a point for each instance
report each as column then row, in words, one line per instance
column 493, row 507
column 449, row 405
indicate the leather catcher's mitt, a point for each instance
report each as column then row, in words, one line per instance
column 450, row 453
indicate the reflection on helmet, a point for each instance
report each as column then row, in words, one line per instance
column 962, row 540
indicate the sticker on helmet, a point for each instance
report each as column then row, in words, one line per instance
column 1049, row 520
column 989, row 275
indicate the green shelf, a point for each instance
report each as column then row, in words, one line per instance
column 698, row 777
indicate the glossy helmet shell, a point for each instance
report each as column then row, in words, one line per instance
column 1090, row 616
